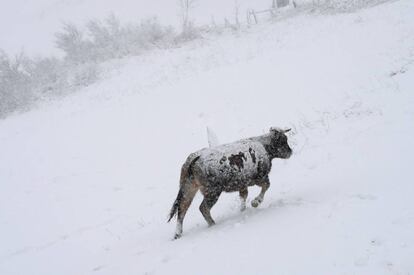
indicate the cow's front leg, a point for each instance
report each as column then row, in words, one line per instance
column 243, row 196
column 265, row 185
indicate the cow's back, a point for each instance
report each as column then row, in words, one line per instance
column 233, row 165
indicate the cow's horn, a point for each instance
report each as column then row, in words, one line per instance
column 287, row 130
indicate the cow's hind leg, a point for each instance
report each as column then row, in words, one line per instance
column 265, row 185
column 209, row 200
column 243, row 196
column 188, row 196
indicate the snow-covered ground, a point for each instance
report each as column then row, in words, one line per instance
column 87, row 182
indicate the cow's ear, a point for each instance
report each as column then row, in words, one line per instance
column 287, row 130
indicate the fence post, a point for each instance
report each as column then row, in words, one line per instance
column 254, row 16
column 226, row 23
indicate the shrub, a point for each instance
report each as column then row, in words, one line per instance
column 24, row 80
column 14, row 83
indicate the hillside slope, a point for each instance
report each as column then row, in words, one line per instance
column 87, row 182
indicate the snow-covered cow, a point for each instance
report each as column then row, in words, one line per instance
column 229, row 168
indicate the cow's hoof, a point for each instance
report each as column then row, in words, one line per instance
column 255, row 203
column 177, row 236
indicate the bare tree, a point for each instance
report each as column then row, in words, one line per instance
column 185, row 7
column 236, row 13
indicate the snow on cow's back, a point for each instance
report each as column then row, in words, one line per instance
column 242, row 157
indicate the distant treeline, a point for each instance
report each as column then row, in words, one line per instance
column 25, row 80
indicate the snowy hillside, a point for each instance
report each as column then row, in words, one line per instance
column 87, row 181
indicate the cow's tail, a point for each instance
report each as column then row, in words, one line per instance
column 185, row 179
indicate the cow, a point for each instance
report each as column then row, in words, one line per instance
column 230, row 167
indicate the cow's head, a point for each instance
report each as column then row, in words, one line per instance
column 279, row 147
